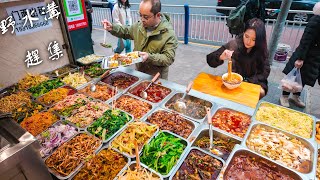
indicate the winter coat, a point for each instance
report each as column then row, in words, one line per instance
column 121, row 15
column 161, row 45
column 308, row 51
column 243, row 63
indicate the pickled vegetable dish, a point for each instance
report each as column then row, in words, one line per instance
column 54, row 137
column 288, row 120
column 163, row 152
column 68, row 157
column 14, row 101
column 110, row 122
column 56, row 95
column 156, row 93
column 26, row 110
column 94, row 70
column 172, row 122
column 133, row 106
column 39, row 122
column 199, row 165
column 231, row 121
column 31, row 80
column 139, row 131
column 105, row 165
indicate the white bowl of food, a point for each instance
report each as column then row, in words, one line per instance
column 234, row 82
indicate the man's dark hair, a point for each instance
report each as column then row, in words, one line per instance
column 156, row 5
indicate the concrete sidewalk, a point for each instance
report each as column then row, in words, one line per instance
column 191, row 60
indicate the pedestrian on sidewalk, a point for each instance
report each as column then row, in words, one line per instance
column 249, row 55
column 306, row 57
column 122, row 16
column 153, row 36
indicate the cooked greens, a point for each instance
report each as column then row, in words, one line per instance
column 45, row 87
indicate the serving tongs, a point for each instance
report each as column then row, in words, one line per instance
column 210, row 126
column 96, row 80
column 143, row 93
column 180, row 105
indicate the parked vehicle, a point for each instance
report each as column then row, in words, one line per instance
column 106, row 5
column 275, row 4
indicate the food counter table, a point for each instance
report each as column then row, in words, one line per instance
column 247, row 93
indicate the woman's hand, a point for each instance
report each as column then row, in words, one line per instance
column 298, row 64
column 226, row 55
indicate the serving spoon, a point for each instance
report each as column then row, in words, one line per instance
column 143, row 93
column 180, row 105
column 96, row 80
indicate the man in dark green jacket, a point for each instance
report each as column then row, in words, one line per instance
column 153, row 36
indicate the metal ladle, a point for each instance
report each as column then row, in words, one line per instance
column 96, row 80
column 210, row 126
column 180, row 105
column 143, row 93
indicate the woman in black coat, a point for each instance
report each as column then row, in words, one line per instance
column 306, row 57
column 248, row 53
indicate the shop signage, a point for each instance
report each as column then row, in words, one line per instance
column 76, row 14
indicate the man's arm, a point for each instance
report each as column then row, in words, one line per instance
column 125, row 32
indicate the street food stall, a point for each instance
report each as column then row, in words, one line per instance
column 90, row 116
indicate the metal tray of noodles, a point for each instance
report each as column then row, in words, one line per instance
column 263, row 164
column 74, row 176
column 306, row 166
column 132, row 166
column 223, row 152
column 198, row 173
column 195, row 106
column 78, row 166
column 286, row 119
column 166, row 125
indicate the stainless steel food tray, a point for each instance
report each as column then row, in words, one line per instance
column 78, row 167
column 186, row 155
column 99, row 83
column 220, row 107
column 240, row 150
column 204, row 132
column 178, row 95
column 184, row 141
column 312, row 135
column 83, row 128
column 119, row 73
column 105, row 147
column 137, row 98
column 155, row 103
column 95, row 61
column 190, row 122
column 117, row 132
column 308, row 143
column 53, row 75
column 64, row 86
column 126, row 154
column 132, row 166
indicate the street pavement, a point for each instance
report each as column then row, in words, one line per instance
column 191, row 60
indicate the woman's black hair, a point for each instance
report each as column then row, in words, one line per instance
column 126, row 4
column 261, row 37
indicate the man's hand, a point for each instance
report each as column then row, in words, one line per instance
column 106, row 25
column 298, row 64
column 144, row 56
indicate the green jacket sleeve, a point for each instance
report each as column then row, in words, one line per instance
column 166, row 56
column 125, row 32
